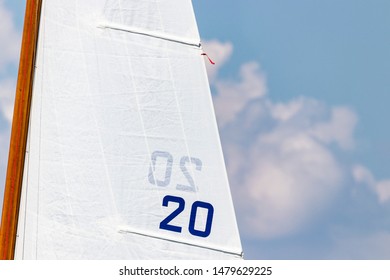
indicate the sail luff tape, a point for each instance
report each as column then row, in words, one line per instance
column 127, row 230
column 154, row 34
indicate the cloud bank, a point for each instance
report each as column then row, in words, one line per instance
column 284, row 159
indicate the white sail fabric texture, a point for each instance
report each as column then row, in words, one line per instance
column 124, row 159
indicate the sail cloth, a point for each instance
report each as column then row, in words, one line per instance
column 123, row 158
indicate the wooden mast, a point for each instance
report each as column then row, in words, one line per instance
column 17, row 151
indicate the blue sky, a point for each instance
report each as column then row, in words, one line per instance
column 335, row 51
column 301, row 91
column 324, row 57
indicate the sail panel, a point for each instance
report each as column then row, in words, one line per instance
column 124, row 158
column 171, row 18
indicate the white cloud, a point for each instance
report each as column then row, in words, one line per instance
column 219, row 53
column 289, row 175
column 282, row 165
column 339, row 129
column 290, row 180
column 383, row 191
column 364, row 176
column 236, row 95
column 7, row 94
column 9, row 38
column 285, row 111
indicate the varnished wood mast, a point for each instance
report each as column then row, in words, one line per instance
column 13, row 184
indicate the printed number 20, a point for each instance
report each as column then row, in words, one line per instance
column 191, row 227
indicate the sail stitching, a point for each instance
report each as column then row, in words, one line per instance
column 136, row 95
column 191, row 170
column 153, row 173
column 66, row 179
column 139, row 109
column 113, row 207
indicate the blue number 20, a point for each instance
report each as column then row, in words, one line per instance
column 194, row 209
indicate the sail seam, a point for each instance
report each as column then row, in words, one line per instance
column 216, row 249
column 154, row 34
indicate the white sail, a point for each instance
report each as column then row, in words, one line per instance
column 123, row 158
